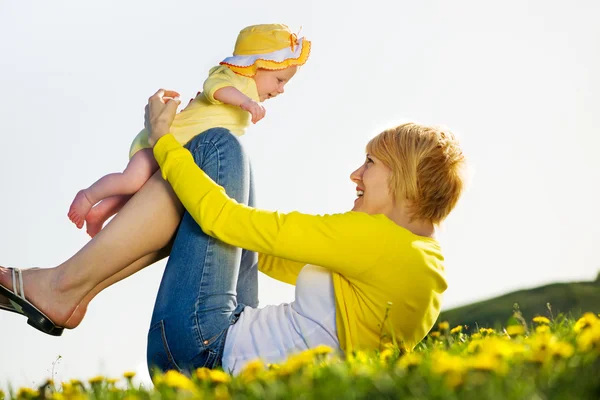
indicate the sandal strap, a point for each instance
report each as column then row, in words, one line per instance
column 17, row 281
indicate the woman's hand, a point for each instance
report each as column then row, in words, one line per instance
column 159, row 114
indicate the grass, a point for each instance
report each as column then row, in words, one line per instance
column 571, row 298
column 543, row 358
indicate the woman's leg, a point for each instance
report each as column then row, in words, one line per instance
column 134, row 267
column 144, row 226
column 139, row 169
column 247, row 285
column 197, row 299
column 103, row 211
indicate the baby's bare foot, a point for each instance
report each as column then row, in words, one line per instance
column 94, row 222
column 80, row 207
column 62, row 308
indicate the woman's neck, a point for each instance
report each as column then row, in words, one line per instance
column 419, row 227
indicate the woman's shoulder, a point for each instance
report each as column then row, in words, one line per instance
column 383, row 223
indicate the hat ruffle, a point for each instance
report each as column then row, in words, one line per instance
column 247, row 65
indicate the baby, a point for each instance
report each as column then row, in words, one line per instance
column 264, row 60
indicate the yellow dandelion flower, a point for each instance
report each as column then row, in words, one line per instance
column 495, row 346
column 254, row 366
column 444, row 326
column 359, row 357
column 476, row 336
column 66, row 387
column 586, row 321
column 541, row 320
column 589, row 338
column 218, row 376
column 321, row 349
column 222, row 392
column 456, row 329
column 453, row 368
column 434, row 334
column 544, row 346
column 112, row 381
column 486, row 362
column 409, row 360
column 55, row 396
column 515, row 330
column 474, row 346
column 27, row 393
column 76, row 383
column 386, row 354
column 203, row 373
column 177, row 380
column 252, row 370
column 486, row 331
column 542, row 329
column 563, row 350
column 96, row 380
column 296, row 362
column 129, row 375
column 443, row 363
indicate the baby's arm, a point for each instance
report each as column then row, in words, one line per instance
column 233, row 96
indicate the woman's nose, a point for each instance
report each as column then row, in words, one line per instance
column 356, row 175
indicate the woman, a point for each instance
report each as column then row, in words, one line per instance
column 348, row 268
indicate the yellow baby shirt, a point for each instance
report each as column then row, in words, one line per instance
column 205, row 112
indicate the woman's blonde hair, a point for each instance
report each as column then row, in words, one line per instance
column 427, row 168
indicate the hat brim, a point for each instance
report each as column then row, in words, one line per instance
column 280, row 59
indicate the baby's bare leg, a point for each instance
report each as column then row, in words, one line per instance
column 144, row 226
column 141, row 167
column 103, row 211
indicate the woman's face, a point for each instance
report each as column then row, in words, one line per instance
column 373, row 190
column 271, row 83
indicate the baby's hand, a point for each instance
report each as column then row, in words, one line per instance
column 257, row 111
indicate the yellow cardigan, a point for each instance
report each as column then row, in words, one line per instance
column 373, row 260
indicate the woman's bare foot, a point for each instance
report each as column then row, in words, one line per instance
column 42, row 288
column 80, row 207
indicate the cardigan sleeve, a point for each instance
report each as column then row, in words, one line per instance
column 347, row 243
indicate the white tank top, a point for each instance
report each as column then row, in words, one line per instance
column 273, row 333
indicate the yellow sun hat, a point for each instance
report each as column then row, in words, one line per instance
column 268, row 46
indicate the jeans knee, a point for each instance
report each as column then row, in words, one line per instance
column 217, row 139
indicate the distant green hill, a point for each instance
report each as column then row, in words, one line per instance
column 572, row 298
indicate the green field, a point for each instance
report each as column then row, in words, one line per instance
column 573, row 299
column 543, row 358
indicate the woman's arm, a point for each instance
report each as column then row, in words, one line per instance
column 279, row 268
column 349, row 243
column 340, row 242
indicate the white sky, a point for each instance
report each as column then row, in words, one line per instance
column 517, row 80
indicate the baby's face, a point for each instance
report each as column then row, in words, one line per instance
column 271, row 83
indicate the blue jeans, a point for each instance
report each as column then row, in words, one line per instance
column 206, row 283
